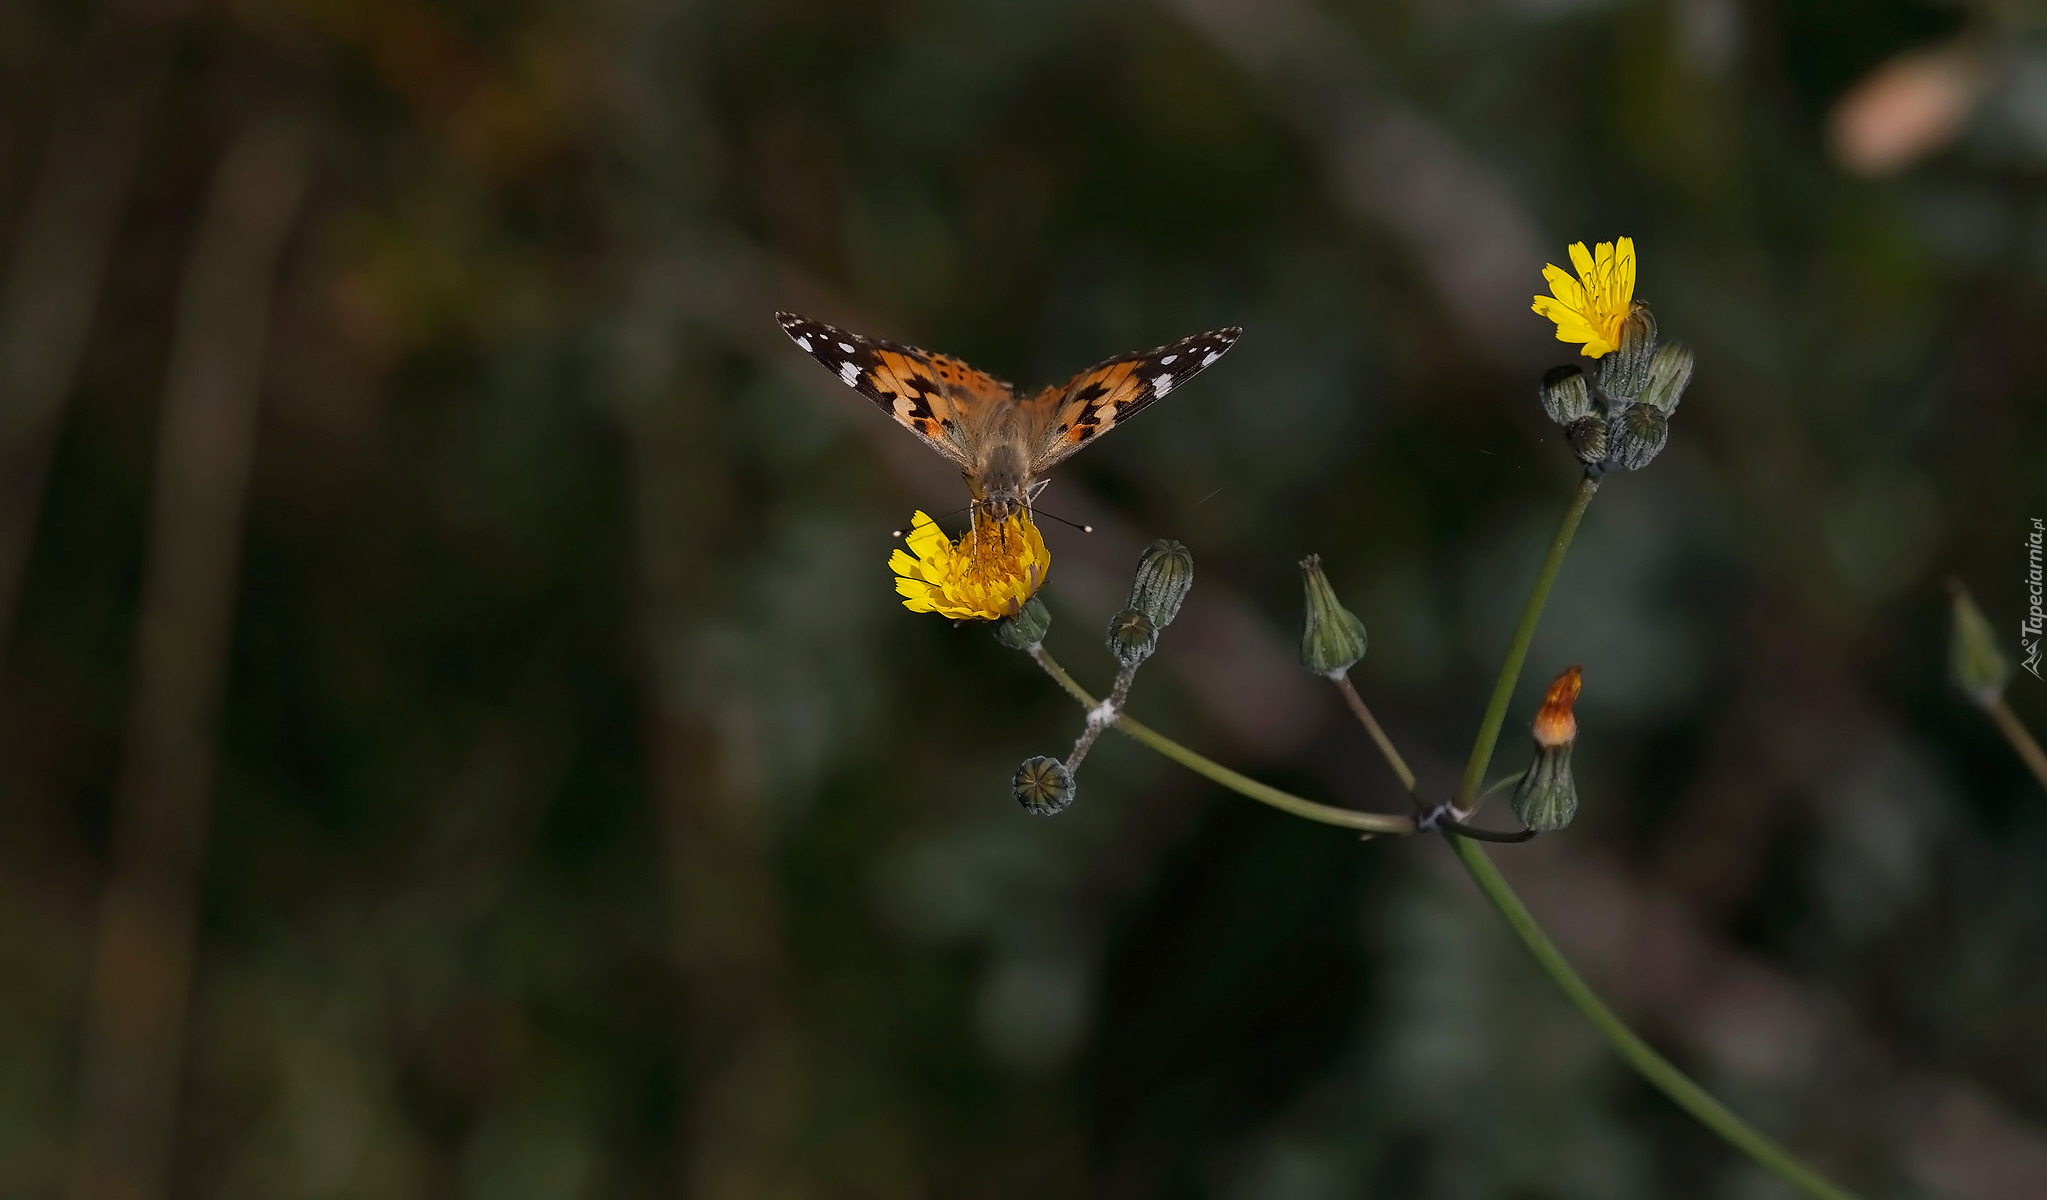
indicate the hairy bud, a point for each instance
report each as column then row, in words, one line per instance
column 1165, row 574
column 1624, row 372
column 1636, row 438
column 1547, row 797
column 1027, row 628
column 1332, row 637
column 1588, row 439
column 1566, row 394
column 1670, row 372
column 1132, row 638
column 1042, row 785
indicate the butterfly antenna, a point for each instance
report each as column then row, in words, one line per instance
column 901, row 533
column 1063, row 521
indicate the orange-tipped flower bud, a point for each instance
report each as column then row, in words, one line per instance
column 1547, row 797
column 1554, row 723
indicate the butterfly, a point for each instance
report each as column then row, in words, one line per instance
column 1002, row 443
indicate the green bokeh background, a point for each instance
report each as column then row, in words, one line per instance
column 590, row 820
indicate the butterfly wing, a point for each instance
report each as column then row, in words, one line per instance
column 940, row 399
column 1065, row 418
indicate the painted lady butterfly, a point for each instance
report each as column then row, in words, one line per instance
column 1001, row 442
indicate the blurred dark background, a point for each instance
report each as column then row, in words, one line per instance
column 458, row 737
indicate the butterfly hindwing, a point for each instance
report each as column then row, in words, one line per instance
column 939, row 398
column 1067, row 417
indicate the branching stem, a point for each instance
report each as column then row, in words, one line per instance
column 1327, row 814
column 1637, row 1053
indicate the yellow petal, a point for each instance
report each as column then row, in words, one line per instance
column 925, row 536
column 1590, row 308
column 1581, row 261
column 1571, row 324
column 1563, row 287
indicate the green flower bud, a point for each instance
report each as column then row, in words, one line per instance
column 1547, row 798
column 1132, row 638
column 1566, row 395
column 1027, row 628
column 1165, row 574
column 1042, row 785
column 1332, row 637
column 1670, row 372
column 1624, row 372
column 1587, row 436
column 1637, row 438
column 1975, row 664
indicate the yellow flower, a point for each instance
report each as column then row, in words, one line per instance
column 1590, row 308
column 996, row 566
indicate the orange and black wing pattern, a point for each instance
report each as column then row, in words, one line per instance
column 1066, row 418
column 940, row 399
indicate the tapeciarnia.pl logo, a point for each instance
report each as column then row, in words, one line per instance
column 2036, row 619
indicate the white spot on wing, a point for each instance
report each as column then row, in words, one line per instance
column 1210, row 357
column 1161, row 385
column 850, row 373
column 805, row 343
column 1169, row 360
column 845, row 347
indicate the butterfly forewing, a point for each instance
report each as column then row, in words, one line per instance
column 977, row 421
column 1068, row 417
column 939, row 398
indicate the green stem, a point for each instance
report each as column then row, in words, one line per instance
column 1517, row 650
column 1375, row 823
column 1499, row 785
column 1632, row 1049
column 1378, row 735
column 1637, row 1053
column 1628, row 1044
column 1392, row 754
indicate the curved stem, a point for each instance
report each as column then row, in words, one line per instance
column 1374, row 823
column 1499, row 785
column 1517, row 650
column 1652, row 1066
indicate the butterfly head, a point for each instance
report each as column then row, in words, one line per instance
column 1002, row 483
column 999, row 506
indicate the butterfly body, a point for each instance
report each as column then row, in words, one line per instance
column 1002, row 443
